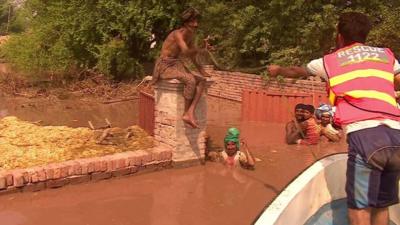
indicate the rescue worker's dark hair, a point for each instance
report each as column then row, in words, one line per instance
column 354, row 27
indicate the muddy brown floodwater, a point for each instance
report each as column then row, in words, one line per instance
column 70, row 112
column 209, row 194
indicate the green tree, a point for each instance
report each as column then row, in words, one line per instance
column 114, row 36
column 69, row 36
column 254, row 33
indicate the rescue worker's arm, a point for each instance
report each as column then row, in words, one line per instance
column 290, row 72
column 313, row 68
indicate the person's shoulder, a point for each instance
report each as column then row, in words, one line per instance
column 290, row 124
column 171, row 36
column 313, row 122
column 175, row 33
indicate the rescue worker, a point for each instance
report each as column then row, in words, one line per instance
column 362, row 82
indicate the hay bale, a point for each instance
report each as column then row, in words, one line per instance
column 25, row 144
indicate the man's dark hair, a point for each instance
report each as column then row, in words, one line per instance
column 309, row 108
column 189, row 15
column 354, row 27
column 299, row 106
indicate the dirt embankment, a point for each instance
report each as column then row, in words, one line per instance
column 88, row 86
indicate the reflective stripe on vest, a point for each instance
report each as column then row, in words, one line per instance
column 363, row 77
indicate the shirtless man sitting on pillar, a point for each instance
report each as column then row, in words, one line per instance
column 180, row 44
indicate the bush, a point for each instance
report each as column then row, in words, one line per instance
column 29, row 55
column 114, row 60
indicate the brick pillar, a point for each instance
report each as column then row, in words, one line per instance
column 188, row 144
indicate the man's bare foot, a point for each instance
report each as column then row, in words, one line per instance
column 188, row 120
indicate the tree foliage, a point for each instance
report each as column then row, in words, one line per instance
column 115, row 36
column 253, row 33
column 111, row 36
column 10, row 20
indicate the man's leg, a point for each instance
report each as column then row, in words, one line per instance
column 361, row 181
column 189, row 81
column 360, row 216
column 380, row 216
column 191, row 110
column 191, row 94
column 373, row 183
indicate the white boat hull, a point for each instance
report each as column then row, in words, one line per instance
column 320, row 184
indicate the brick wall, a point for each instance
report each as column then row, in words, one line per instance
column 229, row 85
column 84, row 170
column 187, row 144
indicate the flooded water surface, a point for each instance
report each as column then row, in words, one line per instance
column 207, row 194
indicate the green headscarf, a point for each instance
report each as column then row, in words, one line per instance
column 232, row 136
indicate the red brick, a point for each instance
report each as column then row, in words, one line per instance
column 97, row 165
column 139, row 157
column 146, row 158
column 9, row 179
column 154, row 155
column 57, row 172
column 91, row 163
column 18, row 179
column 104, row 165
column 131, row 160
column 70, row 164
column 114, row 164
column 49, row 172
column 41, row 174
column 167, row 155
column 110, row 164
column 121, row 163
column 77, row 168
column 34, row 177
column 85, row 166
column 64, row 170
column 3, row 183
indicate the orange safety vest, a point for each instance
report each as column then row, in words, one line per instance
column 361, row 83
